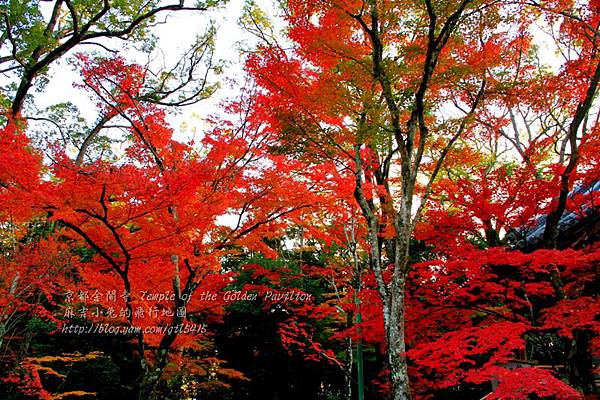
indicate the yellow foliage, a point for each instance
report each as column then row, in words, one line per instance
column 47, row 371
column 232, row 374
column 77, row 393
column 66, row 357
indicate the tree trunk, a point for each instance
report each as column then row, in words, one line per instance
column 579, row 363
column 149, row 383
column 397, row 348
column 392, row 294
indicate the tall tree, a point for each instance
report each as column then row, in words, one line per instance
column 368, row 86
column 36, row 35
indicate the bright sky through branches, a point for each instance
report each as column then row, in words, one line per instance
column 175, row 34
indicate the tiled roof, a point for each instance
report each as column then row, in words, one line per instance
column 528, row 237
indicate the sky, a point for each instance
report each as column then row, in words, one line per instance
column 174, row 37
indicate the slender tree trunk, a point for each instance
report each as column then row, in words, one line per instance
column 579, row 363
column 151, row 374
column 551, row 229
column 397, row 349
column 360, row 383
column 149, row 383
column 349, row 367
column 392, row 294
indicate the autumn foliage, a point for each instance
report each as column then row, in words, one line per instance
column 402, row 203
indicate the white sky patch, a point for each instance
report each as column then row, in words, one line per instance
column 547, row 50
column 175, row 36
